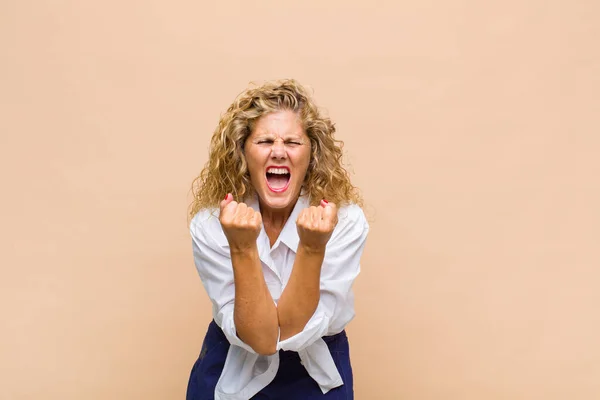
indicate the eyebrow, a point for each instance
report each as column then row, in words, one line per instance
column 292, row 136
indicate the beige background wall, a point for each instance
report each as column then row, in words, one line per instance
column 472, row 127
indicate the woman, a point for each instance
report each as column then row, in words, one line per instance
column 278, row 233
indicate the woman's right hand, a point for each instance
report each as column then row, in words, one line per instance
column 241, row 224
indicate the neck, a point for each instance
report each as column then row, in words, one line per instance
column 275, row 218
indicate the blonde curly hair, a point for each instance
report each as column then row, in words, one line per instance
column 226, row 170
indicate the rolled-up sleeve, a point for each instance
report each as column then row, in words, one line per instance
column 340, row 268
column 213, row 263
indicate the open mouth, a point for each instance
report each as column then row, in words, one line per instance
column 278, row 178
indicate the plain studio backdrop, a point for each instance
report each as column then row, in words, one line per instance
column 472, row 128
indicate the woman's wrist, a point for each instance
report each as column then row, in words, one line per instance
column 249, row 251
column 311, row 250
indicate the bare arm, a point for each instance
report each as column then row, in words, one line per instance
column 300, row 297
column 255, row 314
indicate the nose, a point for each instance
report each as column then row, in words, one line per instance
column 278, row 150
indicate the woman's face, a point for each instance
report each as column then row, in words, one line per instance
column 278, row 153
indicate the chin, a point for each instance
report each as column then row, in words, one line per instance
column 278, row 200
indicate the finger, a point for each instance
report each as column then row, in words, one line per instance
column 314, row 217
column 257, row 219
column 228, row 212
column 330, row 213
column 301, row 220
column 328, row 205
column 228, row 199
column 318, row 215
column 240, row 212
column 249, row 217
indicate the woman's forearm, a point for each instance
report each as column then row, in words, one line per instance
column 255, row 314
column 300, row 297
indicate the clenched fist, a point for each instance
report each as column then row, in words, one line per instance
column 315, row 225
column 241, row 224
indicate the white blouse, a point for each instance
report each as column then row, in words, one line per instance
column 245, row 372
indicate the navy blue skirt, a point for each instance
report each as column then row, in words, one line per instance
column 292, row 382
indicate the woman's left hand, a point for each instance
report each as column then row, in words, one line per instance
column 315, row 226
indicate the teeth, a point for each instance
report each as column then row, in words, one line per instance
column 279, row 171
